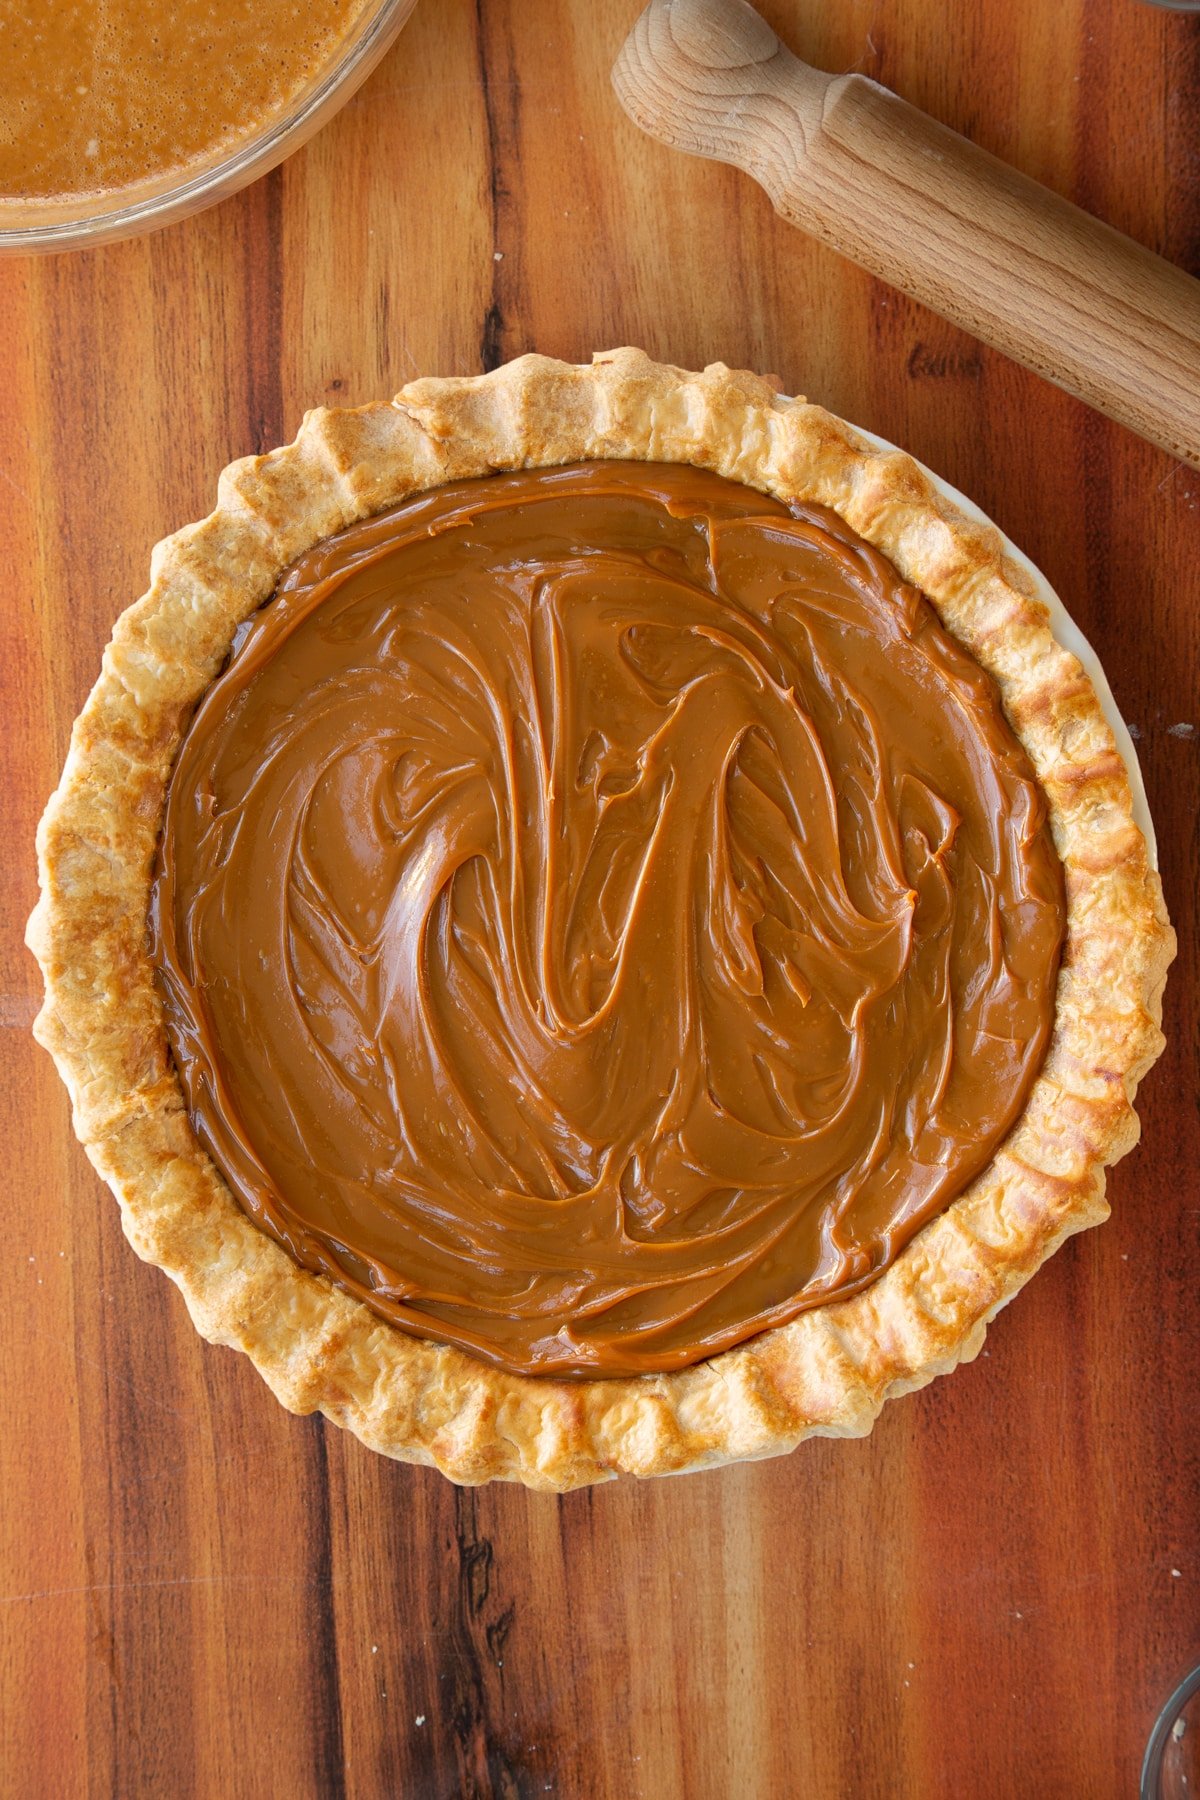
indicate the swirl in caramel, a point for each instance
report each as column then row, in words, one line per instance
column 601, row 913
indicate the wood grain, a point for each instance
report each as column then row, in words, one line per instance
column 200, row 1595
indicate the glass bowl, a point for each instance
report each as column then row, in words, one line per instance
column 79, row 221
column 1171, row 1770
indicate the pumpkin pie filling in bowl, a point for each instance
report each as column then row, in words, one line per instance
column 590, row 924
column 120, row 115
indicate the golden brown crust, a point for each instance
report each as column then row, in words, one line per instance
column 829, row 1371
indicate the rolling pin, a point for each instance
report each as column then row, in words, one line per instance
column 929, row 212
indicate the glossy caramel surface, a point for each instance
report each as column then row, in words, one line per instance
column 601, row 913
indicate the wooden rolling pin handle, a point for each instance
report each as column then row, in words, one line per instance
column 926, row 210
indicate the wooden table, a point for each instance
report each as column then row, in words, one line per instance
column 200, row 1595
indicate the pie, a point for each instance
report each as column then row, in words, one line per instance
column 590, row 925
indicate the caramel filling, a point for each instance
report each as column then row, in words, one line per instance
column 104, row 94
column 601, row 913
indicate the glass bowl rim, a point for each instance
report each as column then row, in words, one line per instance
column 1149, row 1785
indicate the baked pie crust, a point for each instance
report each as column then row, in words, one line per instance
column 830, row 1370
